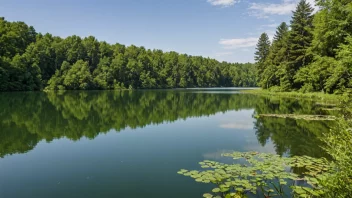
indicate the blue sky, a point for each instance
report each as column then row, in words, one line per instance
column 226, row 30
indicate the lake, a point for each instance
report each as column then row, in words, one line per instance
column 131, row 144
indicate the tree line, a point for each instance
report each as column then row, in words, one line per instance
column 33, row 61
column 312, row 54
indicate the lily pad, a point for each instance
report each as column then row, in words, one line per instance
column 297, row 116
column 215, row 190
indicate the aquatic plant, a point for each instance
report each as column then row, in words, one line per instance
column 264, row 174
column 339, row 146
column 298, row 116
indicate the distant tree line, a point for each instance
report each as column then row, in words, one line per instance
column 314, row 53
column 33, row 61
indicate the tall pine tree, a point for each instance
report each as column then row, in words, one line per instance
column 299, row 40
column 332, row 27
column 261, row 54
column 277, row 55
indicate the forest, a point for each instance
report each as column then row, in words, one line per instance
column 34, row 61
column 312, row 54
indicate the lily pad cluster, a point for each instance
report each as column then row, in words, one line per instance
column 262, row 174
column 299, row 117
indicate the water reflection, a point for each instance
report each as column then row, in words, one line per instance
column 27, row 118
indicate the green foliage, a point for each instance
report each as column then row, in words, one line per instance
column 316, row 96
column 299, row 40
column 103, row 75
column 277, row 55
column 306, row 88
column 289, row 52
column 262, row 174
column 31, row 61
column 78, row 77
column 261, row 54
column 300, row 36
column 327, row 73
column 42, row 54
column 314, row 55
column 75, row 77
column 316, row 74
column 14, row 37
column 297, row 116
column 4, row 73
column 339, row 146
column 341, row 77
column 25, row 76
column 332, row 26
column 337, row 143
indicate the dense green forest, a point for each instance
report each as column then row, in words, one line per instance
column 314, row 53
column 33, row 61
column 28, row 118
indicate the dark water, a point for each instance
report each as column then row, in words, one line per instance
column 131, row 144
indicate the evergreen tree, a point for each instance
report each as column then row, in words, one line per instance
column 262, row 52
column 331, row 31
column 299, row 40
column 277, row 56
column 281, row 32
column 315, row 54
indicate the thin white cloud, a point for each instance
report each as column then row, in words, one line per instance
column 238, row 42
column 271, row 34
column 312, row 3
column 224, row 3
column 263, row 10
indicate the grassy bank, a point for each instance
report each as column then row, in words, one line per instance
column 322, row 97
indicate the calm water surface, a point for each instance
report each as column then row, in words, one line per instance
column 131, row 144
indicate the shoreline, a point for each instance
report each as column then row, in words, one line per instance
column 297, row 95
